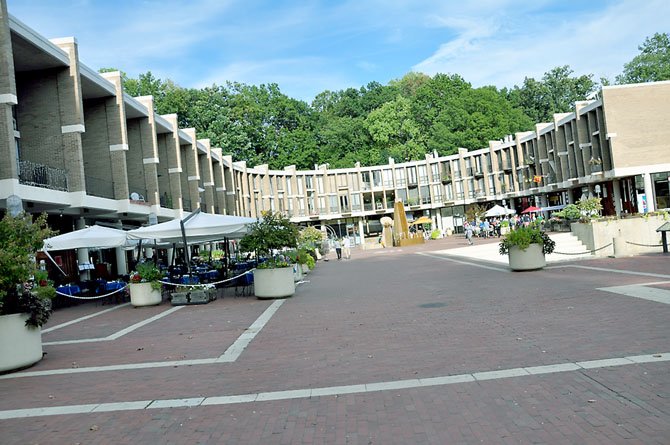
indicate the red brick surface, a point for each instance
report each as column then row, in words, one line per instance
column 364, row 321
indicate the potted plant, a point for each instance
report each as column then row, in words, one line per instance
column 526, row 247
column 24, row 306
column 145, row 285
column 268, row 238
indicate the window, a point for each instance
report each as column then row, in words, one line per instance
column 333, row 204
column 353, row 182
column 435, row 171
column 319, row 184
column 388, row 178
column 400, row 177
column 356, row 202
column 411, row 176
column 309, row 182
column 437, row 191
column 376, row 178
column 365, row 179
column 423, row 174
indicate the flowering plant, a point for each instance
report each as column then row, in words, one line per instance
column 147, row 273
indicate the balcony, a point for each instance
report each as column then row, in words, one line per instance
column 38, row 175
column 446, row 179
column 479, row 174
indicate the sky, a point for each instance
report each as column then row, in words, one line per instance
column 310, row 46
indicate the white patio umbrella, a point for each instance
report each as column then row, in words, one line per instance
column 91, row 237
column 198, row 227
column 497, row 210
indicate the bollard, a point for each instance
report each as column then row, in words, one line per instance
column 619, row 246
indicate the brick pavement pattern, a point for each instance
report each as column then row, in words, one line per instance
column 384, row 315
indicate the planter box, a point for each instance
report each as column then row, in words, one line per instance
column 274, row 283
column 20, row 345
column 193, row 297
column 530, row 259
column 142, row 294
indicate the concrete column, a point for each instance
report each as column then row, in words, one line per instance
column 9, row 166
column 361, row 232
column 121, row 264
column 70, row 101
column 150, row 157
column 174, row 163
column 82, row 253
column 649, row 192
column 117, row 132
column 616, row 197
column 193, row 170
column 207, row 173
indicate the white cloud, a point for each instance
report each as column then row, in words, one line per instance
column 530, row 45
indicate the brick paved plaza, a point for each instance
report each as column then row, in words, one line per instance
column 395, row 346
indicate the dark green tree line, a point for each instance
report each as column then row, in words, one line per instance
column 405, row 119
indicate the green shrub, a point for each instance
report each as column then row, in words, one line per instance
column 524, row 237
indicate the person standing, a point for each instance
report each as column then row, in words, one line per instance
column 468, row 233
column 338, row 248
column 346, row 246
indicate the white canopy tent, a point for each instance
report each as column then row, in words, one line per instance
column 91, row 237
column 497, row 210
column 199, row 227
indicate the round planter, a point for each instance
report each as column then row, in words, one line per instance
column 274, row 283
column 142, row 294
column 530, row 259
column 20, row 345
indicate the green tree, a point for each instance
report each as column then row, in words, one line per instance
column 557, row 92
column 393, row 127
column 652, row 64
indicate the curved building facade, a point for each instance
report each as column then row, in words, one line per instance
column 74, row 145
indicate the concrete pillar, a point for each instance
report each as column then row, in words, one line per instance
column 150, row 157
column 70, row 101
column 174, row 163
column 9, row 166
column 361, row 232
column 82, row 253
column 121, row 264
column 207, row 172
column 117, row 133
column 649, row 192
column 616, row 197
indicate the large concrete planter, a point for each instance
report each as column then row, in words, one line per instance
column 530, row 259
column 274, row 283
column 142, row 294
column 20, row 345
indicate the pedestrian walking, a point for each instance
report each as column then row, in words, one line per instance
column 338, row 248
column 346, row 247
column 468, row 233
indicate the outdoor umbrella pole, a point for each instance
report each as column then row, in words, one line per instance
column 183, row 236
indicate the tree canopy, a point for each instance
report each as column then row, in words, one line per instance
column 405, row 119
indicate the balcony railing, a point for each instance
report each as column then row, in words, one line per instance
column 38, row 175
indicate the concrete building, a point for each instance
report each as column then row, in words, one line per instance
column 74, row 145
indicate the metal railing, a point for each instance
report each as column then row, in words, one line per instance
column 38, row 175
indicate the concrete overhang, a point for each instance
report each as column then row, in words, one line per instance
column 162, row 125
column 93, row 85
column 32, row 52
column 134, row 109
